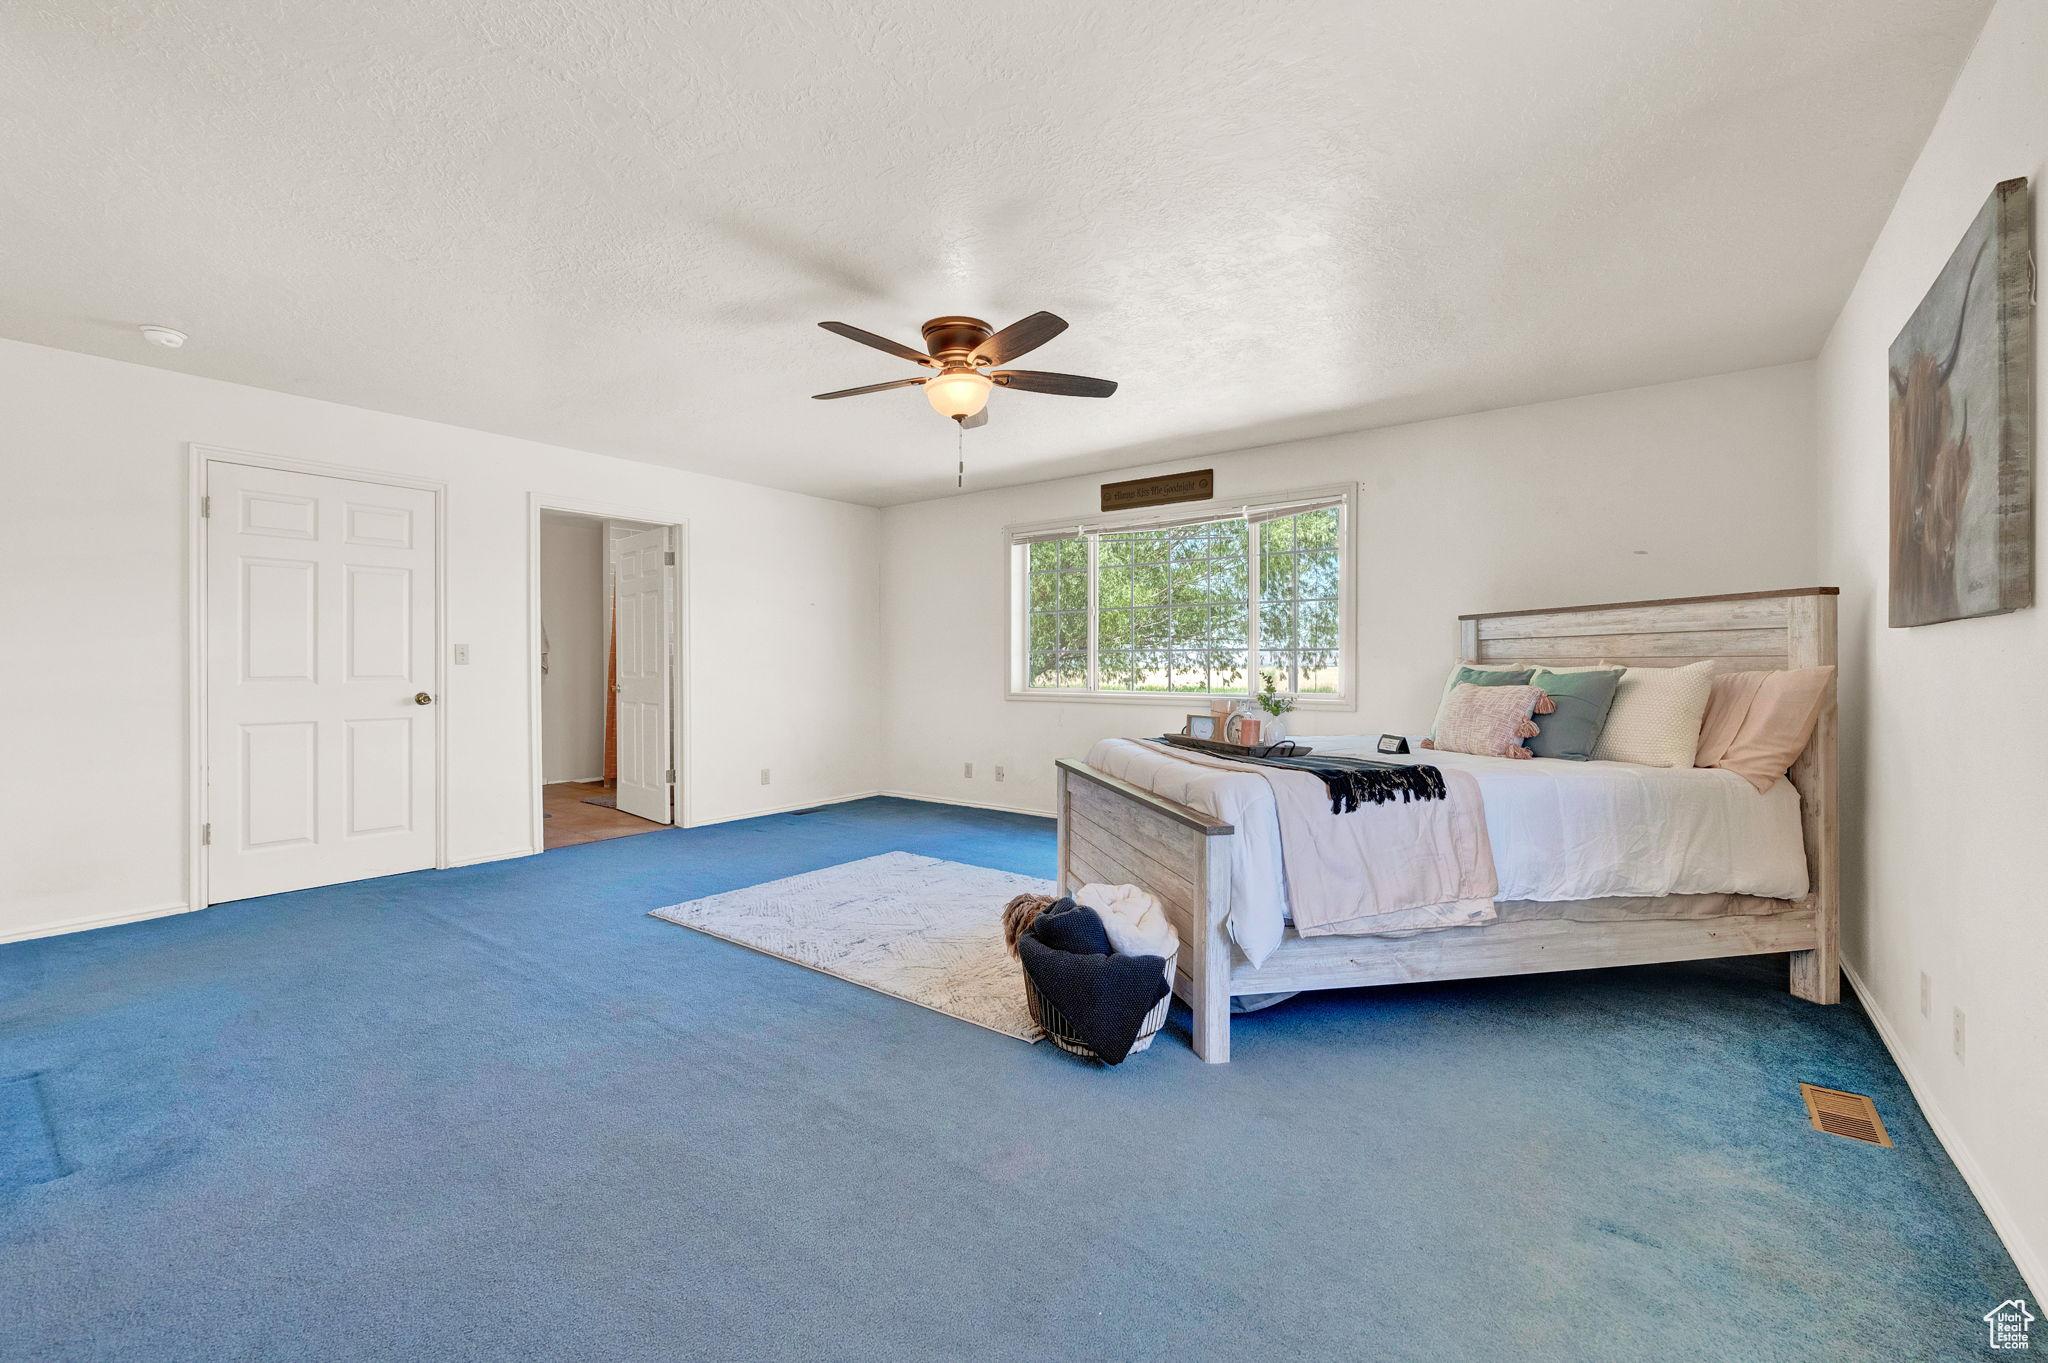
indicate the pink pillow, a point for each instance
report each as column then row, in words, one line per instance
column 1758, row 723
column 1727, row 705
column 1489, row 721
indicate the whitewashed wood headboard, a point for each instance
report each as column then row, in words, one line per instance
column 1739, row 632
column 1743, row 631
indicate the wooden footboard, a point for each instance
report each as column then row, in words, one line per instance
column 1114, row 833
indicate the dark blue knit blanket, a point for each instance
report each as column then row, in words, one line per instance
column 1351, row 781
column 1104, row 995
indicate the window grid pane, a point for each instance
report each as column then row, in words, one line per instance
column 1172, row 608
column 1299, row 581
column 1056, row 597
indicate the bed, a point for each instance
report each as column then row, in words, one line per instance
column 1779, row 891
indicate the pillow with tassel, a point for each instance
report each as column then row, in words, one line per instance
column 1490, row 721
column 1479, row 675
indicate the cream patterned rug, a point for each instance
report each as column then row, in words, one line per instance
column 924, row 930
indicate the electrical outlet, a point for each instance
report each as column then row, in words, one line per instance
column 1959, row 1034
column 462, row 655
column 764, row 776
column 967, row 770
column 1926, row 995
column 999, row 773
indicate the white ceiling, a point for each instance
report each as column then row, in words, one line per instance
column 611, row 224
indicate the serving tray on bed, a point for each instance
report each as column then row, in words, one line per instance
column 1286, row 747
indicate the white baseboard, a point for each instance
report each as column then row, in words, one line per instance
column 109, row 920
column 2031, row 1266
column 574, row 781
column 784, row 809
column 869, row 795
column 507, row 855
column 970, row 804
column 104, row 920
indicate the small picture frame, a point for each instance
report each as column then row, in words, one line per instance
column 1201, row 726
column 1393, row 743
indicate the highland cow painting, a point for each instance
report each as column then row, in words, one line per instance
column 1962, row 448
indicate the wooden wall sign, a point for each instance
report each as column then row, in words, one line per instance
column 1198, row 486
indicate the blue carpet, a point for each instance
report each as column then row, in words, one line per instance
column 498, row 1113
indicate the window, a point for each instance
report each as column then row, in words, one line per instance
column 1206, row 602
column 1301, row 570
column 1059, row 613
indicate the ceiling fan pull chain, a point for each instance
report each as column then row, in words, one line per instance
column 960, row 432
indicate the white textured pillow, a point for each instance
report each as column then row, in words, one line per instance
column 1655, row 720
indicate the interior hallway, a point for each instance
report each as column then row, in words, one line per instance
column 570, row 821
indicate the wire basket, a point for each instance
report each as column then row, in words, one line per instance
column 1061, row 1032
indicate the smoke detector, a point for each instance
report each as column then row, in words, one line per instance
column 170, row 338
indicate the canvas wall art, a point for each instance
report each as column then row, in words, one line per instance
column 1962, row 529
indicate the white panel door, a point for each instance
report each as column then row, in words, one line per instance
column 320, row 640
column 645, row 584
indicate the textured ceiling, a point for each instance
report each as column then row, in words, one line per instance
column 611, row 224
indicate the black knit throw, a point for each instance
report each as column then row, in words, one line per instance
column 1353, row 781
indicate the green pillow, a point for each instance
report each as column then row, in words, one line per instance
column 1483, row 676
column 1478, row 676
column 1582, row 700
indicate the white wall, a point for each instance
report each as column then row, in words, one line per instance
column 1675, row 490
column 1944, row 734
column 783, row 620
column 572, row 596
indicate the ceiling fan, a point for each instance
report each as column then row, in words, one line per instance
column 961, row 348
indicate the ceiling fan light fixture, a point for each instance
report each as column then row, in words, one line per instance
column 960, row 349
column 958, row 393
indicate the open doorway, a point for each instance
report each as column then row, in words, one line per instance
column 606, row 595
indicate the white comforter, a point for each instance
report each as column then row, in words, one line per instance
column 1560, row 830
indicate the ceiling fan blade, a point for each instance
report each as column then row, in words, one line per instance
column 980, row 418
column 901, row 352
column 1066, row 385
column 871, row 388
column 1018, row 337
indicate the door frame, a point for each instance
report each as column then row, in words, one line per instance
column 199, row 456
column 679, row 721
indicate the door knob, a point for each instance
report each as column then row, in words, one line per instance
column 422, row 699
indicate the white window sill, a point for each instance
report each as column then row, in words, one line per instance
column 1169, row 700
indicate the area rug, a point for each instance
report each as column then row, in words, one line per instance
column 926, row 931
column 602, row 801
